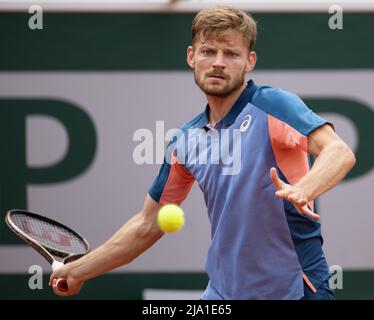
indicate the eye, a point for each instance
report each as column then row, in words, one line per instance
column 206, row 52
column 232, row 54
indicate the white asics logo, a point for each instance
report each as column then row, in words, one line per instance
column 245, row 124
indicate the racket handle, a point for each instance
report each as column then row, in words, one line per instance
column 62, row 285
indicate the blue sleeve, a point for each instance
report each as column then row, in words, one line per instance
column 158, row 185
column 159, row 182
column 287, row 107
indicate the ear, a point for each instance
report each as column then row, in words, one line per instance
column 191, row 57
column 251, row 61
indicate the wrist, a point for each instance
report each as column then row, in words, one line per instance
column 76, row 271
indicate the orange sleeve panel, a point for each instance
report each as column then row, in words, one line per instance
column 290, row 150
column 178, row 184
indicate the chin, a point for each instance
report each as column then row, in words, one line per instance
column 216, row 90
column 217, row 93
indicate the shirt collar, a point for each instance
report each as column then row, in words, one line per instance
column 235, row 110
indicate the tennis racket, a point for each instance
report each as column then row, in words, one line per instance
column 57, row 243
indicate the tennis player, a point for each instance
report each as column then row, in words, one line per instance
column 266, row 238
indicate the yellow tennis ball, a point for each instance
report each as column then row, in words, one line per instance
column 170, row 218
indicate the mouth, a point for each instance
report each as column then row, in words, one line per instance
column 216, row 77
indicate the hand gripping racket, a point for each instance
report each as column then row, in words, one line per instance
column 57, row 243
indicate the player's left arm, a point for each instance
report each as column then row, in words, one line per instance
column 334, row 159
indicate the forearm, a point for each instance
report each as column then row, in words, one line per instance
column 136, row 236
column 329, row 168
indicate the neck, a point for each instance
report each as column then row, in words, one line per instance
column 220, row 106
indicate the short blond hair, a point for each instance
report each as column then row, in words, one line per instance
column 212, row 22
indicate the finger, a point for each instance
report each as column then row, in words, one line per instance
column 51, row 280
column 305, row 210
column 53, row 277
column 302, row 202
column 275, row 179
column 283, row 193
column 295, row 198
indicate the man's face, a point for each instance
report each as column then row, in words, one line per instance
column 220, row 64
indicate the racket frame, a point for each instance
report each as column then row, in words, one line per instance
column 46, row 251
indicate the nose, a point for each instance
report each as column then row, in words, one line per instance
column 219, row 61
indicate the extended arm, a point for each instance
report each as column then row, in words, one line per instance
column 135, row 237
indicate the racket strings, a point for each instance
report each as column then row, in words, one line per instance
column 49, row 234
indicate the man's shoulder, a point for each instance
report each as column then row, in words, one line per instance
column 278, row 102
column 287, row 107
column 268, row 96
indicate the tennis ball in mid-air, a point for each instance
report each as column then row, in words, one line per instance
column 170, row 218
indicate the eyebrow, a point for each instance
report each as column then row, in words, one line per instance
column 206, row 46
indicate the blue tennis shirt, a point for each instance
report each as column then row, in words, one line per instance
column 261, row 247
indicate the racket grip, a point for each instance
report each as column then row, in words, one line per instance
column 62, row 285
